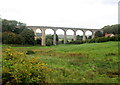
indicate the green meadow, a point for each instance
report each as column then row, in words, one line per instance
column 78, row 63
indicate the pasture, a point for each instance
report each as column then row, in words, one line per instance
column 77, row 63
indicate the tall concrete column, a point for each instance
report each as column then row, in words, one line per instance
column 54, row 40
column 84, row 38
column 65, row 37
column 43, row 37
column 75, row 36
column 93, row 34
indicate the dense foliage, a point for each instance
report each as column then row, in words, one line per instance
column 28, row 35
column 96, row 40
column 12, row 38
column 14, row 32
column 114, row 29
column 49, row 39
column 98, row 34
column 12, row 26
column 20, row 68
column 38, row 41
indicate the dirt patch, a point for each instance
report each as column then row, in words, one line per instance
column 73, row 54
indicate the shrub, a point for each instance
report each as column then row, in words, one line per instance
column 117, row 37
column 92, row 40
column 38, row 41
column 49, row 42
column 12, row 38
column 97, row 40
column 8, row 38
column 19, row 39
column 19, row 68
column 30, row 52
column 28, row 36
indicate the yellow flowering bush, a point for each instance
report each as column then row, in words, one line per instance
column 21, row 68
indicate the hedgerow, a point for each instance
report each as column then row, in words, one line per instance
column 96, row 40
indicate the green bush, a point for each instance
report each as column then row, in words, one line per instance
column 28, row 36
column 38, row 41
column 30, row 52
column 8, row 38
column 101, row 39
column 12, row 38
column 19, row 39
column 97, row 40
column 19, row 68
column 117, row 37
column 49, row 42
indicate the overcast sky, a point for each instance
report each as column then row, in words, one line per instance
column 61, row 13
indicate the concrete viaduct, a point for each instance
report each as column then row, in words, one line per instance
column 43, row 28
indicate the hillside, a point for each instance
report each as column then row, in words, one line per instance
column 90, row 62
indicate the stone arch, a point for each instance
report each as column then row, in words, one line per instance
column 70, row 34
column 49, row 34
column 88, row 34
column 38, row 32
column 79, row 34
column 49, row 31
column 38, row 36
column 60, row 34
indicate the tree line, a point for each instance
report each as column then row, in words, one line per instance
column 114, row 29
column 14, row 32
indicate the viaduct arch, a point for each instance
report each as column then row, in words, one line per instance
column 43, row 28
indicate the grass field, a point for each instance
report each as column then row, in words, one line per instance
column 83, row 63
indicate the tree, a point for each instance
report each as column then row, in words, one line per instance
column 15, row 32
column 98, row 34
column 12, row 38
column 89, row 37
column 79, row 37
column 19, row 39
column 28, row 36
column 57, row 38
column 8, row 38
column 12, row 26
column 38, row 41
column 114, row 29
column 49, row 40
column 20, row 27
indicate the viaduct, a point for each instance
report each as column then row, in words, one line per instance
column 43, row 28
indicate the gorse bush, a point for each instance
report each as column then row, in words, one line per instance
column 19, row 68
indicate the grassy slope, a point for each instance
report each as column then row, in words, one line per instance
column 94, row 62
